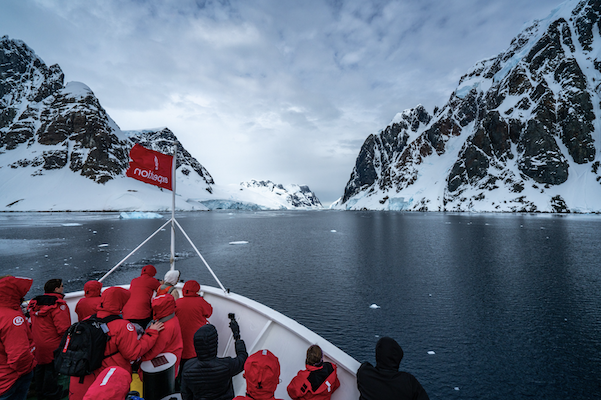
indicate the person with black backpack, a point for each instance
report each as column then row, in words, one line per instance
column 122, row 345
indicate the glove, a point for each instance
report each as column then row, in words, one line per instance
column 235, row 329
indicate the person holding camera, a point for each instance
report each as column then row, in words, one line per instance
column 207, row 376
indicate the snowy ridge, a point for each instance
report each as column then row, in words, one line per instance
column 61, row 151
column 521, row 132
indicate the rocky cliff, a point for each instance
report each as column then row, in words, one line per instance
column 520, row 133
column 60, row 150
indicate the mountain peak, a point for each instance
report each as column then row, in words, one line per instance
column 518, row 133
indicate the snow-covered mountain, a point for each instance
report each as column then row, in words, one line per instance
column 60, row 150
column 297, row 196
column 521, row 132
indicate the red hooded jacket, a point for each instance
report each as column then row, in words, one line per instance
column 192, row 311
column 141, row 289
column 113, row 383
column 122, row 345
column 89, row 304
column 16, row 343
column 170, row 338
column 50, row 319
column 262, row 374
column 316, row 382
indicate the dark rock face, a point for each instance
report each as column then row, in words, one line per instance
column 379, row 151
column 517, row 120
column 66, row 125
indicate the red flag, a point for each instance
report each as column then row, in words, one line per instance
column 150, row 166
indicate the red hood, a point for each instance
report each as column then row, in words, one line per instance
column 92, row 288
column 112, row 383
column 262, row 373
column 149, row 270
column 13, row 290
column 113, row 300
column 191, row 289
column 162, row 306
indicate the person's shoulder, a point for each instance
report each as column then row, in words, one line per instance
column 303, row 373
column 121, row 323
column 191, row 364
column 365, row 366
column 9, row 314
column 60, row 302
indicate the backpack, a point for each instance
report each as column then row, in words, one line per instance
column 81, row 350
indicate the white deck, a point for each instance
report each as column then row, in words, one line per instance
column 264, row 328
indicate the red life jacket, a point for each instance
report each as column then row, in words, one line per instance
column 314, row 382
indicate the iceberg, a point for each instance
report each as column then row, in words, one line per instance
column 140, row 215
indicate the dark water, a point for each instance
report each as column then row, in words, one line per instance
column 509, row 304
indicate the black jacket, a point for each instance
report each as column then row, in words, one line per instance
column 385, row 381
column 208, row 377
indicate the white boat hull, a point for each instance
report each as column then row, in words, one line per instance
column 264, row 328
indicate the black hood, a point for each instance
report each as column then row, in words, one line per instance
column 205, row 342
column 388, row 354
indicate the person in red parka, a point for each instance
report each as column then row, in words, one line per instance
column 16, row 343
column 89, row 304
column 112, row 384
column 318, row 381
column 192, row 311
column 50, row 319
column 170, row 338
column 262, row 374
column 137, row 309
column 122, row 345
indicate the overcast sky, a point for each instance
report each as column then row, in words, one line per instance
column 277, row 90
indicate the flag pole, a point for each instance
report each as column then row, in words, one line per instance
column 173, row 168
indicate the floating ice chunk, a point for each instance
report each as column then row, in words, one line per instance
column 456, row 387
column 139, row 215
column 374, row 306
column 239, row 242
column 71, row 224
column 333, row 231
column 431, row 352
column 103, row 245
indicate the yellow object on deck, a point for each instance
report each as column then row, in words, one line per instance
column 136, row 384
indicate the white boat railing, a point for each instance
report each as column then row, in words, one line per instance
column 261, row 328
column 264, row 328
